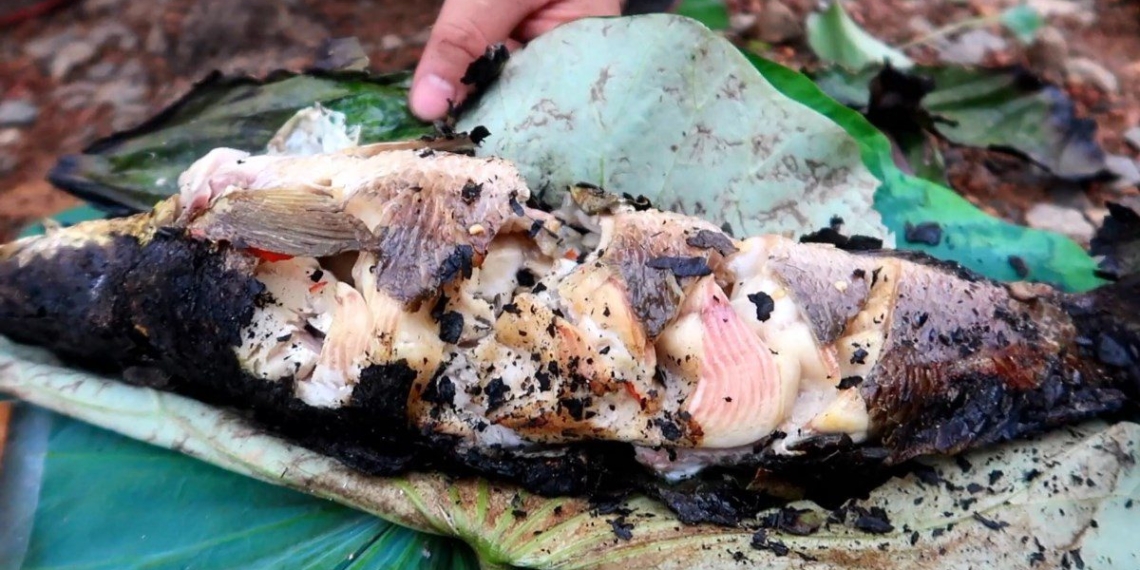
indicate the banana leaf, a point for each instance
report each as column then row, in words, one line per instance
column 1065, row 497
column 508, row 527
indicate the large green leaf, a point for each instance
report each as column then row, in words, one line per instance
column 970, row 237
column 136, row 168
column 706, row 135
column 112, row 503
column 659, row 106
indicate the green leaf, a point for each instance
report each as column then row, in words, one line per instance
column 135, row 169
column 110, row 502
column 973, row 238
column 711, row 13
column 1003, row 109
column 659, row 106
column 836, row 38
column 1022, row 21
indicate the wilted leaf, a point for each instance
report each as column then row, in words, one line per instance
column 1070, row 491
column 1008, row 110
column 1022, row 21
column 836, row 38
column 659, row 106
column 134, row 169
column 711, row 13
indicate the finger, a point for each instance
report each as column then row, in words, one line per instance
column 461, row 34
column 556, row 13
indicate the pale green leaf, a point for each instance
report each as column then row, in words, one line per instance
column 658, row 106
column 836, row 38
column 1022, row 21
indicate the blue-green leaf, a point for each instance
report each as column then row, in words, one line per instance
column 112, row 503
column 1022, row 21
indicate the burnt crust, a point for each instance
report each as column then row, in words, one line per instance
column 130, row 307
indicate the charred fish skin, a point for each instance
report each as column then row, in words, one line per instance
column 969, row 361
column 514, row 348
column 125, row 305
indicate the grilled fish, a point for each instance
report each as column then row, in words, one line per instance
column 414, row 309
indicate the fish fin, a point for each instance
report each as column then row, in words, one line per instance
column 287, row 221
column 458, row 144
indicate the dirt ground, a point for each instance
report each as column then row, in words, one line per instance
column 91, row 67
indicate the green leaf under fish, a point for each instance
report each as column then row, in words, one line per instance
column 112, row 503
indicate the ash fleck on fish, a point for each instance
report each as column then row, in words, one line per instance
column 681, row 266
column 471, row 192
column 705, row 239
column 496, row 392
column 764, row 305
column 451, row 327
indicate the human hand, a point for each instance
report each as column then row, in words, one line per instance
column 465, row 28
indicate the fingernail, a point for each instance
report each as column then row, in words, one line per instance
column 430, row 96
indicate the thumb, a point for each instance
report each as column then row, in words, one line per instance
column 461, row 34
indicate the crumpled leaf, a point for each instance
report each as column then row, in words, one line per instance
column 135, row 169
column 703, row 133
column 1066, row 495
column 836, row 38
column 1007, row 110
